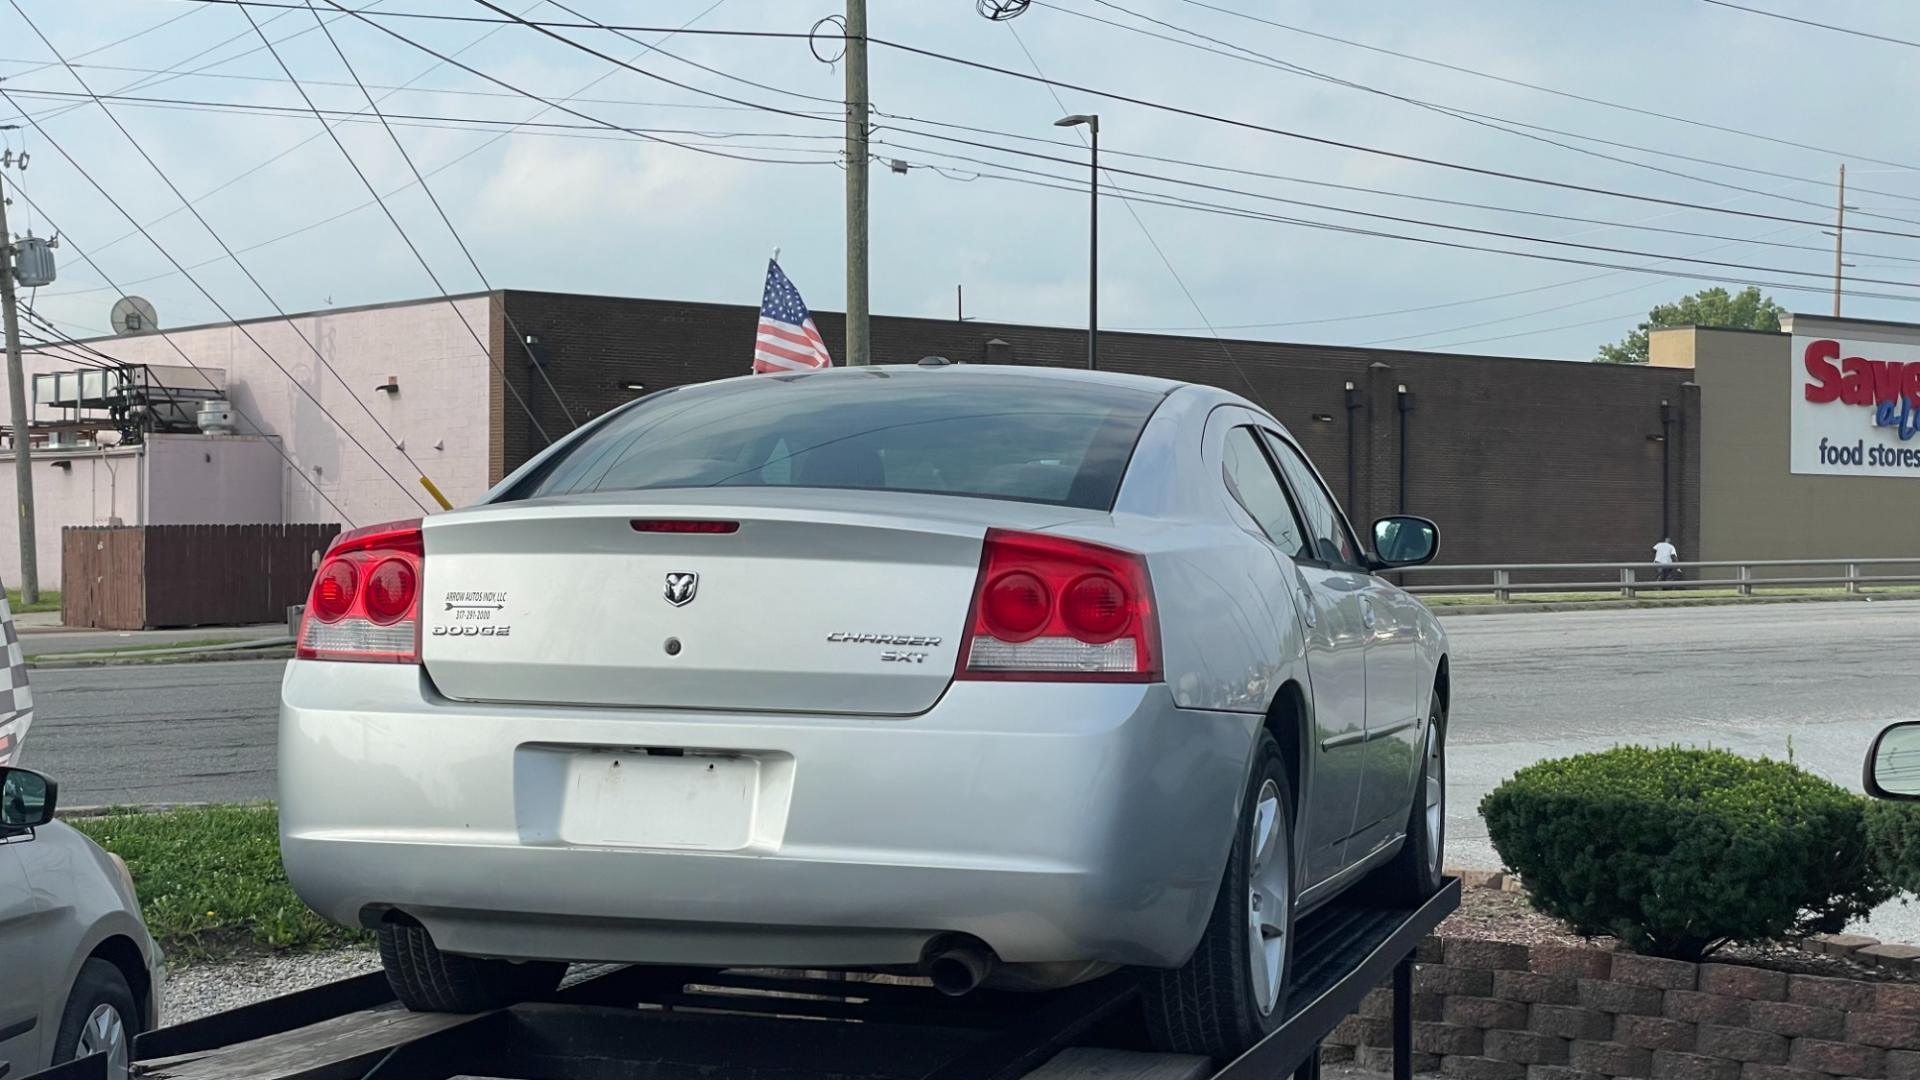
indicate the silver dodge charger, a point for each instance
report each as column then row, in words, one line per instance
column 998, row 675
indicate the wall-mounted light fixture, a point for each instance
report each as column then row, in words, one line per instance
column 391, row 386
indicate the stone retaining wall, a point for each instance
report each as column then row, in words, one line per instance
column 1491, row 1010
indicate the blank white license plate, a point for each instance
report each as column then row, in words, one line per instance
column 644, row 800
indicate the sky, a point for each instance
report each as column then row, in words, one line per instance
column 732, row 148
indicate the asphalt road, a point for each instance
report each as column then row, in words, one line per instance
column 155, row 733
column 1817, row 680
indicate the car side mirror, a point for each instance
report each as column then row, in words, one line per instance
column 1893, row 764
column 27, row 799
column 1403, row 540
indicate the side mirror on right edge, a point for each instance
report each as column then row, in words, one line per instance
column 1893, row 764
column 26, row 799
column 1403, row 540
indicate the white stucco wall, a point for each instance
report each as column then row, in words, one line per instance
column 439, row 415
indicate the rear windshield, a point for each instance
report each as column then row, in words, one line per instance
column 941, row 432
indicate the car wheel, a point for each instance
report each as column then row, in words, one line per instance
column 428, row 980
column 1233, row 991
column 1414, row 874
column 100, row 1018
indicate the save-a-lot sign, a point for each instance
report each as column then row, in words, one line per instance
column 1855, row 409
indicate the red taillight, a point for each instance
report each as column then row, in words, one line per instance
column 333, row 591
column 365, row 602
column 1015, row 605
column 1054, row 609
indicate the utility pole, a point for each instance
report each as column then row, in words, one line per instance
column 17, row 402
column 1839, row 239
column 859, row 348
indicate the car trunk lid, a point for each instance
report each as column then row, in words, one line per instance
column 812, row 601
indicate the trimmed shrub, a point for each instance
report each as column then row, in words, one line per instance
column 1893, row 839
column 1677, row 852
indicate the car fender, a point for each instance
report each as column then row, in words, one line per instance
column 85, row 903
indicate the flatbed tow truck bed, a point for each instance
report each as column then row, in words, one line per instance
column 641, row 1023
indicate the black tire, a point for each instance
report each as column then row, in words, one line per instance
column 428, row 980
column 99, row 985
column 1415, row 873
column 1211, row 1005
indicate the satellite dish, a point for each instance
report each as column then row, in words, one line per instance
column 133, row 314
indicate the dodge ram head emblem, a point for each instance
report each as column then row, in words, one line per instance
column 680, row 588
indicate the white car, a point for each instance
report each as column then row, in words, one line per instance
column 1003, row 675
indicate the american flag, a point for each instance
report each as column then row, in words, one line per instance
column 788, row 340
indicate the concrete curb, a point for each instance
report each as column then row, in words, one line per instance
column 56, row 662
column 128, row 809
column 1450, row 610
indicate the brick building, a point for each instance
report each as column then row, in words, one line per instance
column 1519, row 460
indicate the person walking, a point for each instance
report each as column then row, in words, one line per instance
column 1664, row 556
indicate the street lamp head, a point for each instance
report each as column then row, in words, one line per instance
column 1077, row 119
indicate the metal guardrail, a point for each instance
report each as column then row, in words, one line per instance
column 1631, row 579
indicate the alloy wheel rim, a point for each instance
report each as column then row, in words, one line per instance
column 105, row 1033
column 1269, row 890
column 1436, row 774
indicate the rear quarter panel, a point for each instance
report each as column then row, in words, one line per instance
column 1229, row 635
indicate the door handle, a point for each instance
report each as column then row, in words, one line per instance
column 1307, row 611
column 1366, row 611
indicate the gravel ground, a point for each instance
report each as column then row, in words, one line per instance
column 196, row 990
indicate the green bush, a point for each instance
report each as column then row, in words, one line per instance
column 1893, row 838
column 1677, row 852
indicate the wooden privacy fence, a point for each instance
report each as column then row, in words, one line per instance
column 140, row 577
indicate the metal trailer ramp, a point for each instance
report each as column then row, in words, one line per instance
column 639, row 1023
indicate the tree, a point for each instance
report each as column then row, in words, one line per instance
column 1715, row 307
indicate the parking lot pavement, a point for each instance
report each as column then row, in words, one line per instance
column 1814, row 681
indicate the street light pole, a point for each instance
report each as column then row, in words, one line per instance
column 1092, row 123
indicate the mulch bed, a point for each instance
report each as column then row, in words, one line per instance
column 1493, row 914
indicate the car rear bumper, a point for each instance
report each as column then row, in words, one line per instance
column 1054, row 822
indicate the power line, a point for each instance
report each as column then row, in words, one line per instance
column 432, row 121
column 115, row 43
column 587, row 130
column 1249, row 125
column 236, row 261
column 1530, row 333
column 1198, row 206
column 408, row 240
column 269, row 161
column 435, row 171
column 509, row 20
column 407, row 87
column 1492, row 122
column 271, row 440
column 426, row 120
column 1816, row 24
column 1536, row 313
column 1639, row 226
column 497, row 81
column 1192, row 301
column 1398, row 219
column 172, row 72
column 1570, row 95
